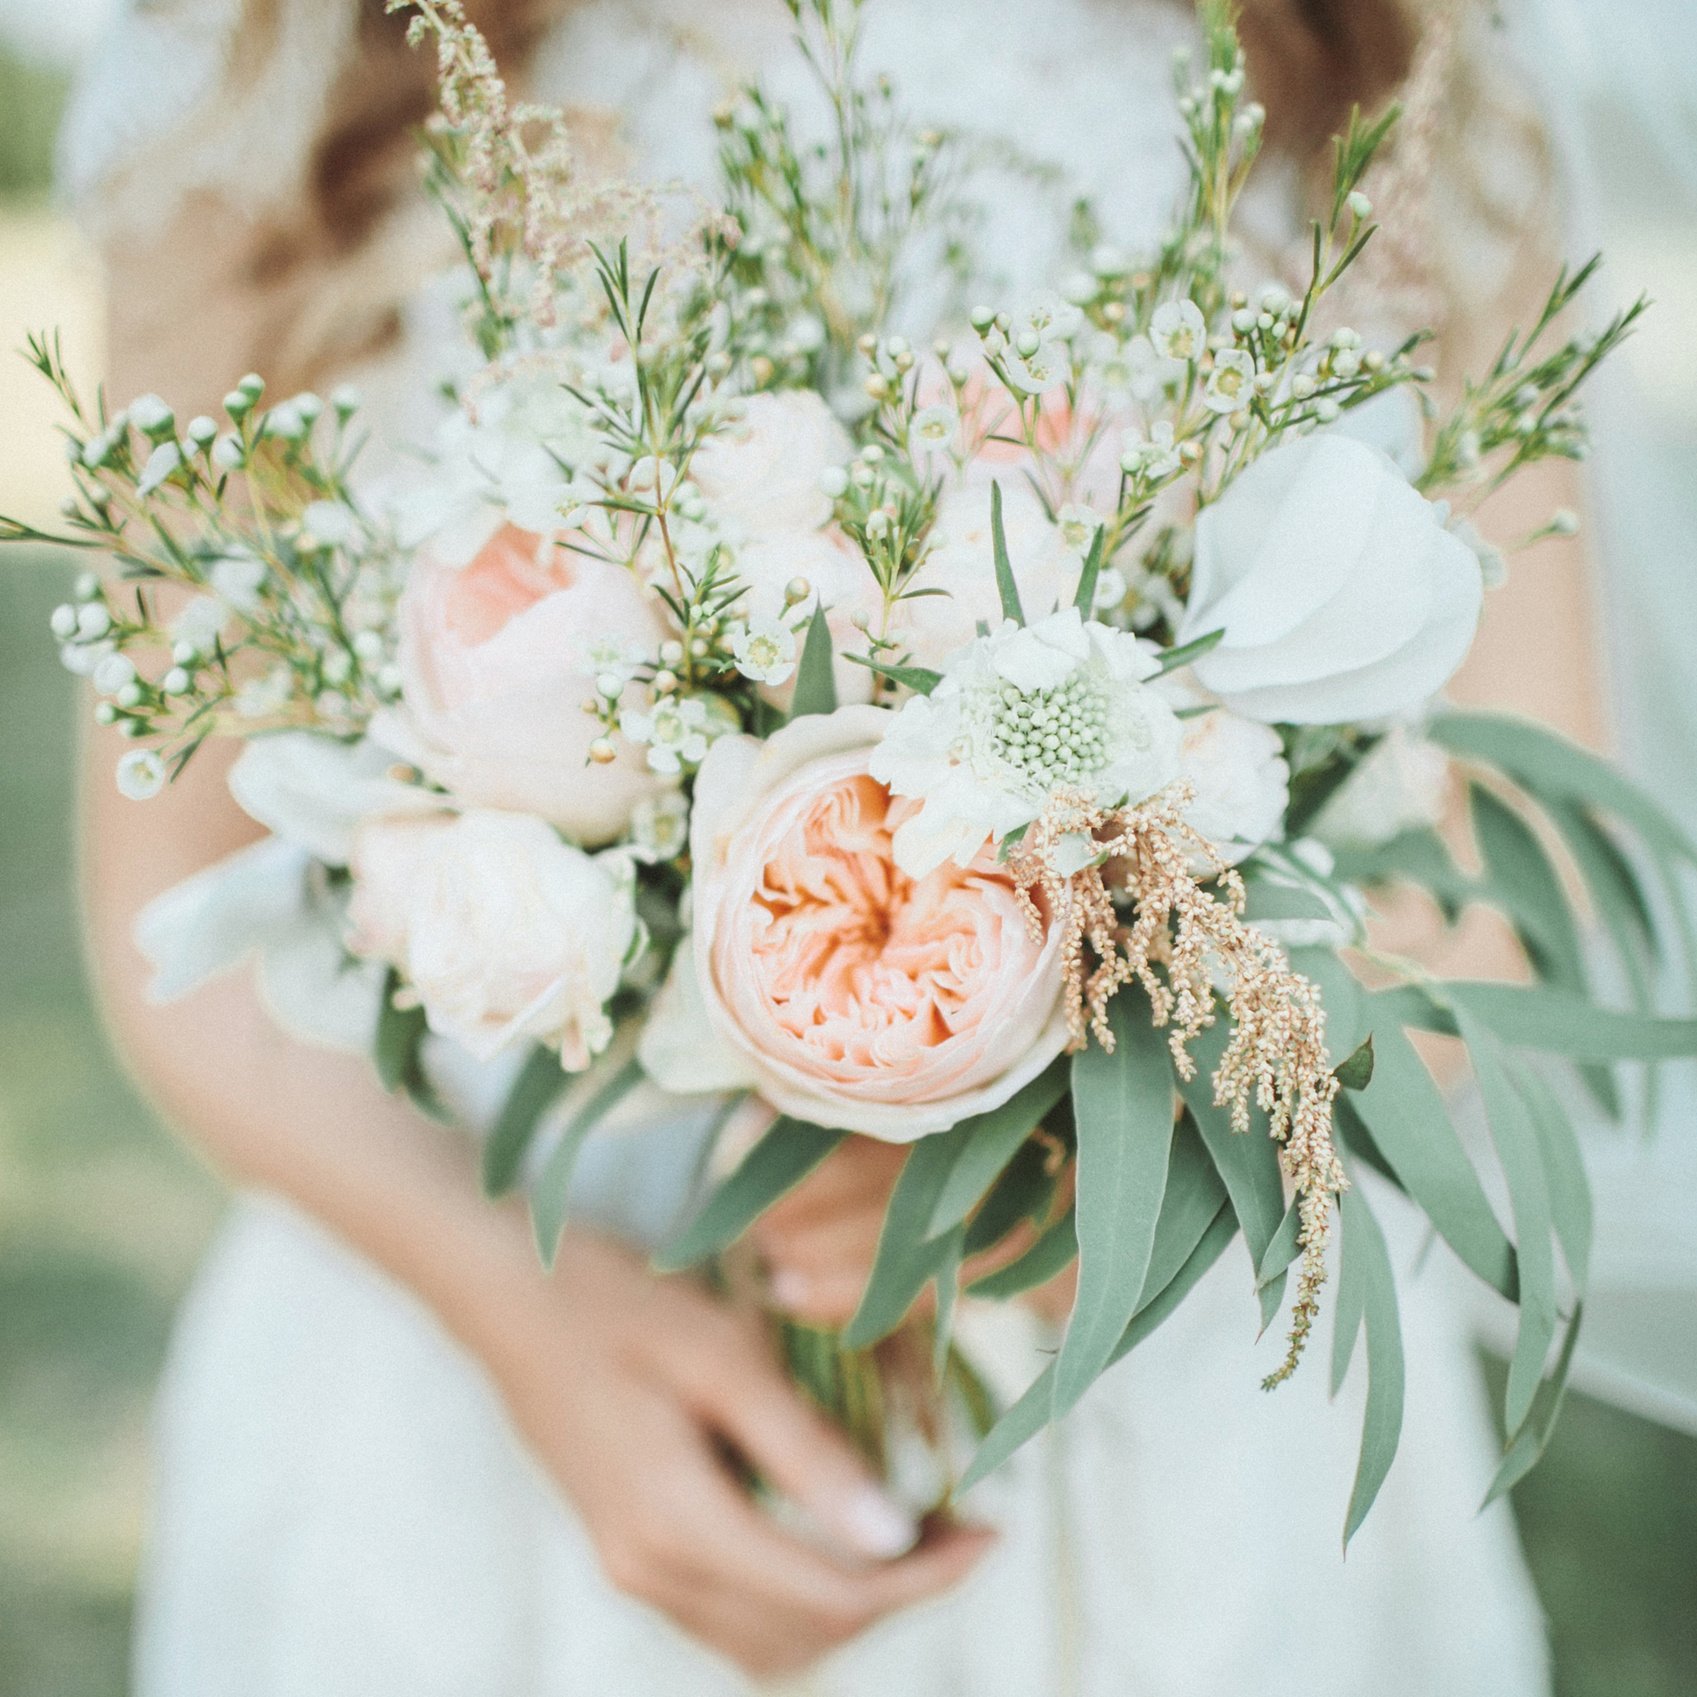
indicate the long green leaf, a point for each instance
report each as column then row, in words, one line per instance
column 1564, row 1170
column 1549, row 1020
column 1248, row 1162
column 540, row 1084
column 1409, row 1124
column 1006, row 586
column 1528, row 1443
column 1548, row 766
column 1340, row 994
column 399, row 1033
column 1522, row 1161
column 1049, row 1255
column 920, row 679
column 774, row 1166
column 984, row 1144
column 1522, row 880
column 1123, row 1107
column 1035, row 1408
column 1349, row 1304
column 1381, row 1428
column 551, row 1194
column 815, row 676
column 1084, row 599
column 1284, row 1249
column 908, row 1255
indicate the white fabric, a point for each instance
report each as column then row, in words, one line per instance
column 341, row 1507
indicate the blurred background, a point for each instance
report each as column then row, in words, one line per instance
column 103, row 1216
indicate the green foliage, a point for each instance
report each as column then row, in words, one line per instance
column 815, row 678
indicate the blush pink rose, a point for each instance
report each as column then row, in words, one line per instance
column 495, row 666
column 847, row 993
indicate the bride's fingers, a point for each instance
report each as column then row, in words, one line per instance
column 791, row 1445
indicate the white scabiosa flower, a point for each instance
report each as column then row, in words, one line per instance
column 141, row 774
column 1021, row 714
column 1341, row 594
column 764, row 650
column 1178, row 331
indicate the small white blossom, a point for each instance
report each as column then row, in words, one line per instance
column 228, row 454
column 659, row 827
column 141, row 774
column 64, row 622
column 93, row 621
column 1037, row 356
column 1078, row 526
column 934, row 427
column 1111, row 589
column 162, row 464
column 329, row 522
column 114, row 673
column 200, row 624
column 1178, row 330
column 1156, row 459
column 236, row 580
column 264, row 697
column 150, row 415
column 675, row 732
column 764, row 650
column 1231, row 382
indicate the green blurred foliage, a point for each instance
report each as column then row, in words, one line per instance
column 30, row 100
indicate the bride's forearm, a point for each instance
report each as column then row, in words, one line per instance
column 307, row 1124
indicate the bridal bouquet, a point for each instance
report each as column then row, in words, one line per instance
column 991, row 745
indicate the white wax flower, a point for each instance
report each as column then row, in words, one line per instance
column 675, row 731
column 502, row 930
column 1020, row 714
column 659, row 827
column 1231, row 382
column 1341, row 594
column 765, row 650
column 141, row 774
column 1178, row 330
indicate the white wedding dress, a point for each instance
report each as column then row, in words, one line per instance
column 342, row 1509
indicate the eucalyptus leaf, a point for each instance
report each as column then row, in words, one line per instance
column 1404, row 1112
column 1564, row 1171
column 1052, row 1253
column 1123, row 1109
column 909, row 1256
column 1522, row 1161
column 1381, row 1428
column 400, row 1031
column 1349, row 1301
column 1035, row 1408
column 983, row 1145
column 1546, row 1019
column 1527, row 1445
column 1356, row 1072
column 920, row 679
column 551, row 1194
column 539, row 1085
column 774, row 1166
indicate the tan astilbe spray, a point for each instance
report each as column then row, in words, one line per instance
column 1182, row 937
column 521, row 188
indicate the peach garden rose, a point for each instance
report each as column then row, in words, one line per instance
column 496, row 661
column 847, row 993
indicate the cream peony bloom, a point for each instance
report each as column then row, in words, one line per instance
column 1341, row 593
column 496, row 662
column 820, row 975
column 503, row 931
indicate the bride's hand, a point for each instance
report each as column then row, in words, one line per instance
column 818, row 1243
column 630, row 1390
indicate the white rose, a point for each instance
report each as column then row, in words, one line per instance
column 1237, row 768
column 1341, row 593
column 760, row 477
column 502, row 930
